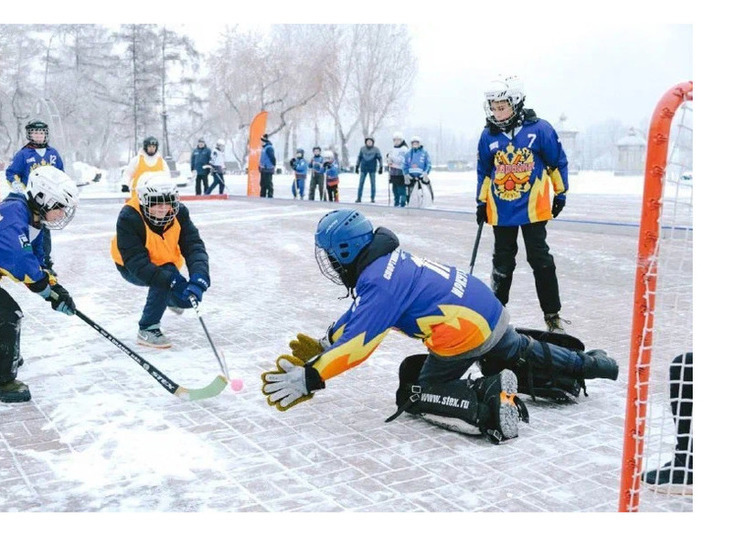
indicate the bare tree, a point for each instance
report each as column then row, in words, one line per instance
column 338, row 41
column 18, row 90
column 253, row 73
column 384, row 72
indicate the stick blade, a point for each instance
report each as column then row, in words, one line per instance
column 211, row 390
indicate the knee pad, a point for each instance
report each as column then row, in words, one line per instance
column 537, row 376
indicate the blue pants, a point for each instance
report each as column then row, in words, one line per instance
column 503, row 355
column 158, row 298
column 217, row 180
column 299, row 186
column 372, row 184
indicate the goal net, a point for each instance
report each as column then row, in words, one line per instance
column 657, row 463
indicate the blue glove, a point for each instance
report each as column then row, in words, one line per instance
column 178, row 283
column 197, row 285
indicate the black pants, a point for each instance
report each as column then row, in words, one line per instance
column 537, row 254
column 266, row 186
column 200, row 183
column 681, row 392
column 10, row 337
column 317, row 181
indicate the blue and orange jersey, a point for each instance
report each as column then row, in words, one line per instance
column 515, row 171
column 451, row 311
column 21, row 250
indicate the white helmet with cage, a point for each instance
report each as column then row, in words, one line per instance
column 53, row 195
column 504, row 88
column 328, row 155
column 416, row 139
column 154, row 191
column 398, row 136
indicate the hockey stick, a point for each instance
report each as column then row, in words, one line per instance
column 476, row 247
column 236, row 384
column 212, row 389
column 218, row 354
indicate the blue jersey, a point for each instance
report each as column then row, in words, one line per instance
column 451, row 311
column 21, row 251
column 515, row 171
column 28, row 159
column 300, row 166
column 317, row 164
column 332, row 174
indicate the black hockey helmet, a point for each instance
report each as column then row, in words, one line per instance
column 37, row 126
column 149, row 141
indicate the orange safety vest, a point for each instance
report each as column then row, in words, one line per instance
column 143, row 167
column 162, row 249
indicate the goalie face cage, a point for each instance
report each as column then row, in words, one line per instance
column 663, row 304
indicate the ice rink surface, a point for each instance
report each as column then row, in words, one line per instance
column 101, row 435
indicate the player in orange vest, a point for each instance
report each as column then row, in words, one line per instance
column 155, row 237
column 147, row 160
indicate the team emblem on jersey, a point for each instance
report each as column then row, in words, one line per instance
column 513, row 168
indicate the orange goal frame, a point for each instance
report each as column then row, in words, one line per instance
column 645, row 286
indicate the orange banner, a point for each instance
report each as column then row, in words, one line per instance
column 256, row 131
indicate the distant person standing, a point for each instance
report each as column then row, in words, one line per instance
column 416, row 166
column 520, row 158
column 36, row 153
column 217, row 165
column 395, row 162
column 331, row 171
column 200, row 171
column 368, row 160
column 267, row 162
column 147, row 160
column 316, row 168
column 300, row 168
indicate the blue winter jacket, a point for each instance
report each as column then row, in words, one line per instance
column 267, row 160
column 200, row 158
column 417, row 162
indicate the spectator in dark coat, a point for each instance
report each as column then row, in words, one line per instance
column 368, row 160
column 200, row 158
column 267, row 163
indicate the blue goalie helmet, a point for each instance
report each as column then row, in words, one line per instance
column 340, row 237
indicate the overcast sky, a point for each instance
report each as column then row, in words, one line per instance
column 589, row 73
column 571, row 58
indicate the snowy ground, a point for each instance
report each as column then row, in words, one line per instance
column 101, row 435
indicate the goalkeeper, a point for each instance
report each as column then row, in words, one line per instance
column 454, row 314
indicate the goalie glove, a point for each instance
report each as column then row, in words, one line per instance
column 305, row 347
column 291, row 384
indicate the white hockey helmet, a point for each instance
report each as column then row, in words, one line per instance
column 504, row 88
column 328, row 155
column 398, row 136
column 416, row 139
column 157, row 189
column 220, row 142
column 51, row 189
